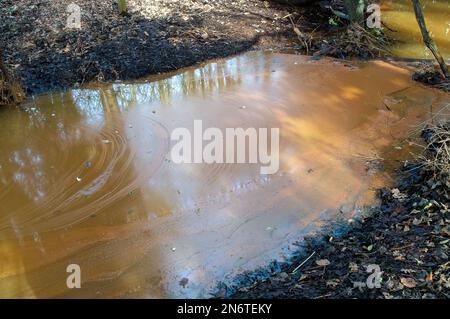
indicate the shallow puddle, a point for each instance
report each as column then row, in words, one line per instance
column 399, row 16
column 86, row 176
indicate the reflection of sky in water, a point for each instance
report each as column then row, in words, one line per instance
column 64, row 113
column 89, row 103
column 30, row 174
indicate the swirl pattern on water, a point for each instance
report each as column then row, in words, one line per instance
column 83, row 170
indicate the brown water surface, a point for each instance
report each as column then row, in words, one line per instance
column 399, row 16
column 86, row 177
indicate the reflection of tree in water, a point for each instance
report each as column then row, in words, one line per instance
column 211, row 79
column 89, row 104
column 28, row 161
column 32, row 146
column 53, row 143
column 37, row 164
column 32, row 168
column 37, row 177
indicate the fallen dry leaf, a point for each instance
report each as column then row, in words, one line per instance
column 397, row 194
column 322, row 262
column 408, row 282
column 333, row 283
column 353, row 267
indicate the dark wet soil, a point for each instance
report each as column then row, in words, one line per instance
column 428, row 74
column 155, row 36
column 405, row 240
column 160, row 36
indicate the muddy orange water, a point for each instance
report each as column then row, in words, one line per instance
column 86, row 176
column 399, row 16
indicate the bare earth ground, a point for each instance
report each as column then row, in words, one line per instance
column 156, row 36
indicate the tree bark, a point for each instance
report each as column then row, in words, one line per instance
column 355, row 10
column 429, row 42
column 122, row 7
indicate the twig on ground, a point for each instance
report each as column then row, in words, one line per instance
column 303, row 262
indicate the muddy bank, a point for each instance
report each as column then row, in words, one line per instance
column 396, row 250
column 431, row 75
column 155, row 36
column 165, row 35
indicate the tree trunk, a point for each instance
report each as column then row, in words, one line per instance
column 427, row 38
column 122, row 7
column 355, row 10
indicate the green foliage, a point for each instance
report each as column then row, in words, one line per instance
column 332, row 22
